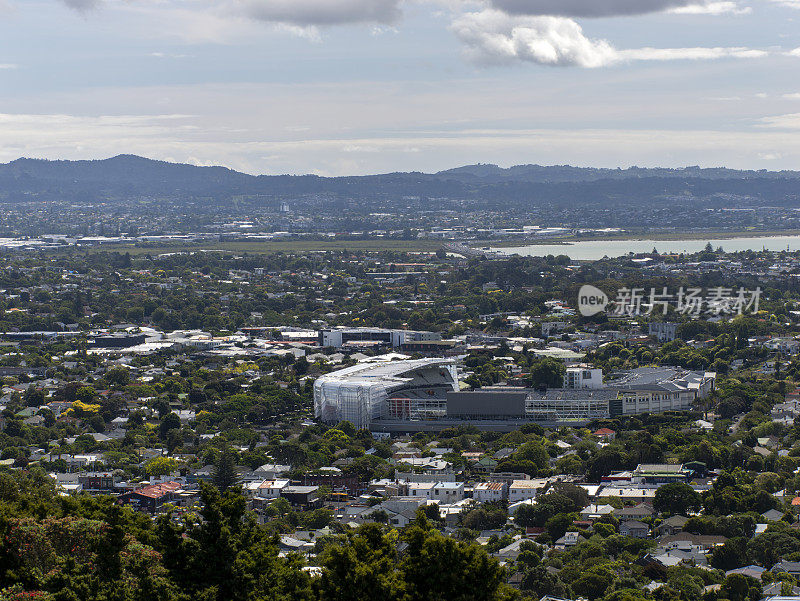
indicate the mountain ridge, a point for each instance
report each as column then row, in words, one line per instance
column 128, row 177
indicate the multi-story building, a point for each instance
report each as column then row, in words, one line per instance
column 521, row 490
column 664, row 331
column 342, row 337
column 485, row 492
column 579, row 377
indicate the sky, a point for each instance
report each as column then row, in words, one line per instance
column 352, row 87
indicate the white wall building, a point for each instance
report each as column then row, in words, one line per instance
column 448, row 492
column 583, row 377
column 521, row 490
column 664, row 331
column 339, row 337
column 422, row 490
column 487, row 492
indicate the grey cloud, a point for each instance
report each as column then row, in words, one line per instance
column 589, row 8
column 322, row 12
column 82, row 5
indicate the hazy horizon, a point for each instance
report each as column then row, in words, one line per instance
column 451, row 168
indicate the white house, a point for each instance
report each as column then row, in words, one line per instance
column 422, row 490
column 448, row 492
column 271, row 489
column 520, row 490
column 490, row 491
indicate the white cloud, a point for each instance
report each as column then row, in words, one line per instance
column 789, row 121
column 795, row 52
column 789, row 3
column 7, row 66
column 597, row 8
column 494, row 37
column 669, row 54
column 712, row 8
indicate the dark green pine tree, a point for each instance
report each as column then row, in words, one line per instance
column 225, row 471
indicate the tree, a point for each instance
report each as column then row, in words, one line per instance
column 484, row 518
column 731, row 555
column 525, row 516
column 738, row 587
column 161, row 466
column 361, row 570
column 534, row 452
column 170, row 422
column 118, row 377
column 676, row 498
column 558, row 525
column 595, row 581
column 546, row 372
column 438, row 568
column 86, row 394
column 34, row 397
column 225, row 471
column 547, row 506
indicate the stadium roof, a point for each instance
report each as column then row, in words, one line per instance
column 377, row 371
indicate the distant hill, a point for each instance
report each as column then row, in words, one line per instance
column 128, row 178
column 567, row 173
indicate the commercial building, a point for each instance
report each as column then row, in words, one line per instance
column 660, row 473
column 659, row 389
column 116, row 340
column 664, row 331
column 355, row 337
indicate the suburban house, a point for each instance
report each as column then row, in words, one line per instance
column 672, row 525
column 634, row 529
column 520, row 490
column 490, row 491
column 151, row 498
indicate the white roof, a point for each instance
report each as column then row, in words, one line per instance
column 381, row 371
column 526, row 484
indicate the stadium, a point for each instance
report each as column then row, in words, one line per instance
column 408, row 390
column 423, row 395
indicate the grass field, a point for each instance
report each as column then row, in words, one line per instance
column 269, row 247
column 274, row 246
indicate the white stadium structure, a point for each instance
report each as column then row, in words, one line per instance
column 423, row 394
column 384, row 389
